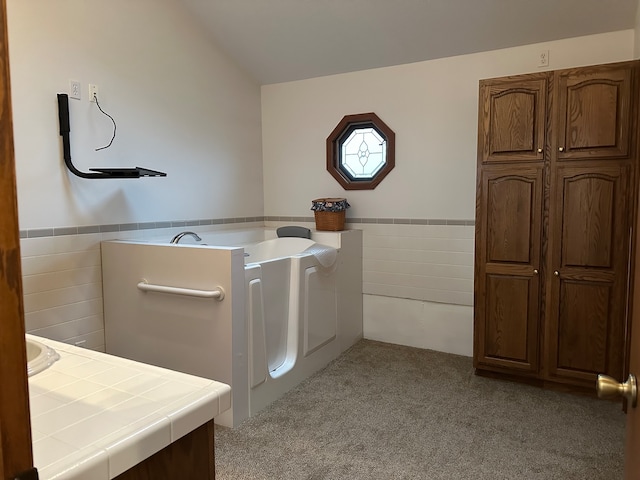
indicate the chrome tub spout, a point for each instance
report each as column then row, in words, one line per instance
column 179, row 236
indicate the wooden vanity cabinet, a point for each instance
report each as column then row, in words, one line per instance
column 556, row 180
column 189, row 457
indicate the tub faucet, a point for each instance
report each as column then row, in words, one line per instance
column 179, row 236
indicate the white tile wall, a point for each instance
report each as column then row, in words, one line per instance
column 431, row 263
column 62, row 277
column 62, row 284
column 422, row 262
column 418, row 285
column 62, row 281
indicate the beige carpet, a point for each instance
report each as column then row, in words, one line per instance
column 384, row 411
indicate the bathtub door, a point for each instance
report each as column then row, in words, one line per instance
column 320, row 309
column 275, row 287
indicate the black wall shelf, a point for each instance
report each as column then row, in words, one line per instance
column 133, row 172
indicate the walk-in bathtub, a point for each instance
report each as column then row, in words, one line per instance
column 289, row 306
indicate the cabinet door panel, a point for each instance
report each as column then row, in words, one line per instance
column 507, row 319
column 509, row 215
column 582, row 326
column 589, row 257
column 509, row 218
column 588, row 211
column 512, row 119
column 594, row 112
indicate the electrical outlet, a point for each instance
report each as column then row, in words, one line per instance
column 543, row 58
column 93, row 92
column 74, row 89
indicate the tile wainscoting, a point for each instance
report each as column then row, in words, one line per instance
column 417, row 281
column 62, row 274
column 420, row 271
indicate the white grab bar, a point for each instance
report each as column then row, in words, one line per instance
column 145, row 286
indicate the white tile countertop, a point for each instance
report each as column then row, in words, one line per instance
column 94, row 416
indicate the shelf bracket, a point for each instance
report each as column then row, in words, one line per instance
column 134, row 172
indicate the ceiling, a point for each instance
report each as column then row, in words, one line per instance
column 283, row 40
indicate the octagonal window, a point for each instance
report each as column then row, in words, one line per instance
column 360, row 151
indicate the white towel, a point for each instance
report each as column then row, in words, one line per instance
column 325, row 255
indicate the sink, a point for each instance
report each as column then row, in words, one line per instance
column 39, row 357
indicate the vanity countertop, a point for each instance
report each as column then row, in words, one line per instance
column 94, row 416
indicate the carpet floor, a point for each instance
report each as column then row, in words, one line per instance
column 383, row 411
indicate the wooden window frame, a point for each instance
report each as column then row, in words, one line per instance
column 334, row 147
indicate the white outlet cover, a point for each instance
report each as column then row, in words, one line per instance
column 93, row 91
column 543, row 58
column 75, row 89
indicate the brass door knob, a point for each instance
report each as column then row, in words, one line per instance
column 556, row 273
column 535, row 271
column 608, row 387
column 539, row 150
column 561, row 149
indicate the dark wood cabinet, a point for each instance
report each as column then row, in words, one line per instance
column 554, row 215
column 189, row 457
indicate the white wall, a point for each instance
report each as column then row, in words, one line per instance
column 180, row 105
column 432, row 108
column 418, row 235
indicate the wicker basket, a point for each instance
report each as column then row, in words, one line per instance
column 330, row 221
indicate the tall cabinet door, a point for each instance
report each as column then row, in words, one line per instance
column 511, row 140
column 587, row 272
column 508, row 236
